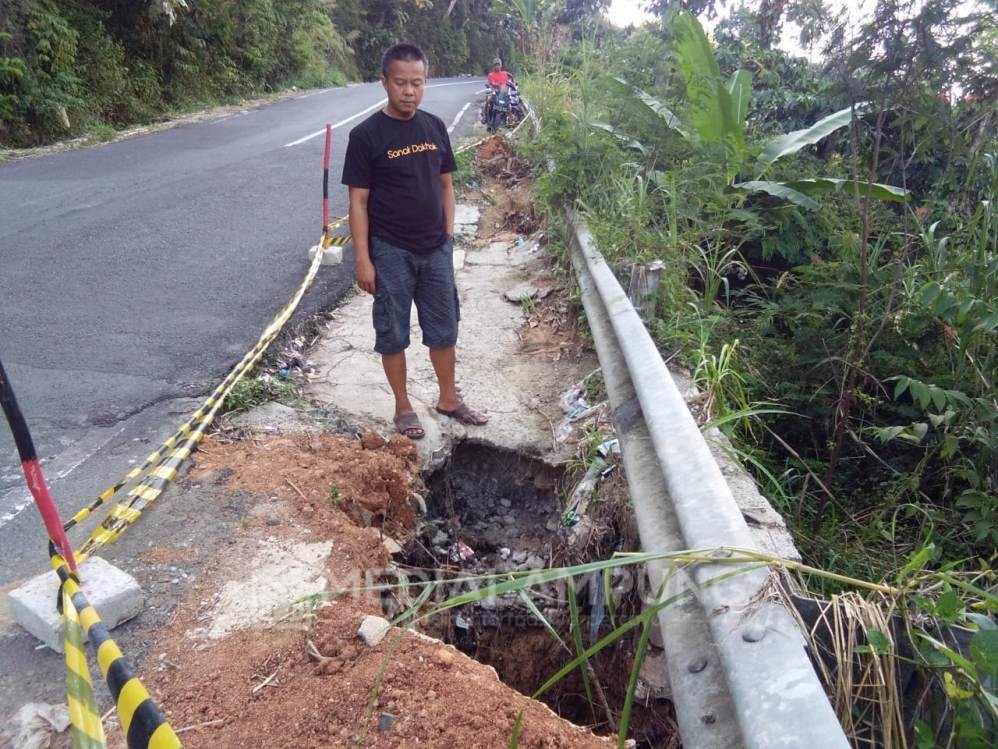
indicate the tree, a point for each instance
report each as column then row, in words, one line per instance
column 532, row 21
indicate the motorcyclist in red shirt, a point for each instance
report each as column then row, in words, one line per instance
column 497, row 78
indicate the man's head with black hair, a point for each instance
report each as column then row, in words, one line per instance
column 403, row 74
column 403, row 53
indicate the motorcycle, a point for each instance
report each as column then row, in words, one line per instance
column 497, row 108
column 516, row 110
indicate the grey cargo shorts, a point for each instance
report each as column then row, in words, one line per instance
column 401, row 278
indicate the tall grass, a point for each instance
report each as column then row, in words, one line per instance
column 889, row 623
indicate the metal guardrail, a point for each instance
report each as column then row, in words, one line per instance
column 736, row 661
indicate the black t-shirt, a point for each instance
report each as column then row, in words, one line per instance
column 400, row 162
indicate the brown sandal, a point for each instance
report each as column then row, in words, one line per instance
column 408, row 425
column 465, row 415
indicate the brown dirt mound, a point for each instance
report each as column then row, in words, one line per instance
column 323, row 477
column 509, row 210
column 495, row 147
column 431, row 694
column 308, row 682
column 496, row 159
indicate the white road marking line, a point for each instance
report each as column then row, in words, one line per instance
column 371, row 108
column 458, row 118
column 351, row 118
column 29, row 500
column 18, row 509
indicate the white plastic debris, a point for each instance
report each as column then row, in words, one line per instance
column 34, row 725
column 569, row 399
column 610, row 447
column 460, row 552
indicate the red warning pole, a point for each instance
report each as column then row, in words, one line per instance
column 33, row 469
column 325, row 183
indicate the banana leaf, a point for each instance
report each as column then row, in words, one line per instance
column 740, row 88
column 625, row 139
column 672, row 120
column 712, row 107
column 789, row 143
column 778, row 190
column 821, row 185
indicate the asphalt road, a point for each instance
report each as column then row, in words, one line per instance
column 133, row 275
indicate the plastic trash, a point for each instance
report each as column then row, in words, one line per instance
column 563, row 431
column 569, row 519
column 579, row 500
column 34, row 725
column 460, row 552
column 609, row 447
column 570, row 398
column 579, row 408
column 598, row 609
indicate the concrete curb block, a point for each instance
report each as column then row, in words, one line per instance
column 330, row 256
column 115, row 595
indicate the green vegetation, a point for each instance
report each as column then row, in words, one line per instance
column 250, row 392
column 465, row 168
column 833, row 260
column 866, row 642
column 70, row 67
column 831, row 252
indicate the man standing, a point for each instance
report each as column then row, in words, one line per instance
column 398, row 167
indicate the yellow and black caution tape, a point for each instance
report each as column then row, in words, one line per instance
column 161, row 466
column 144, row 726
column 86, row 727
column 328, row 241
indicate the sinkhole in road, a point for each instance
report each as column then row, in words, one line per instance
column 497, row 512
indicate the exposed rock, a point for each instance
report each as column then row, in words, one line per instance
column 520, row 293
column 373, row 630
column 534, row 562
column 391, row 545
column 385, row 722
column 372, row 441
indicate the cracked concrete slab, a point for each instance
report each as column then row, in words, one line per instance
column 518, row 391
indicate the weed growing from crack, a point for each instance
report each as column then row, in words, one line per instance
column 248, row 393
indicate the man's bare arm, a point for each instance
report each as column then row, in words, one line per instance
column 450, row 202
column 363, row 267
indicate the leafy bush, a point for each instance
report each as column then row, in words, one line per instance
column 69, row 66
column 872, row 324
